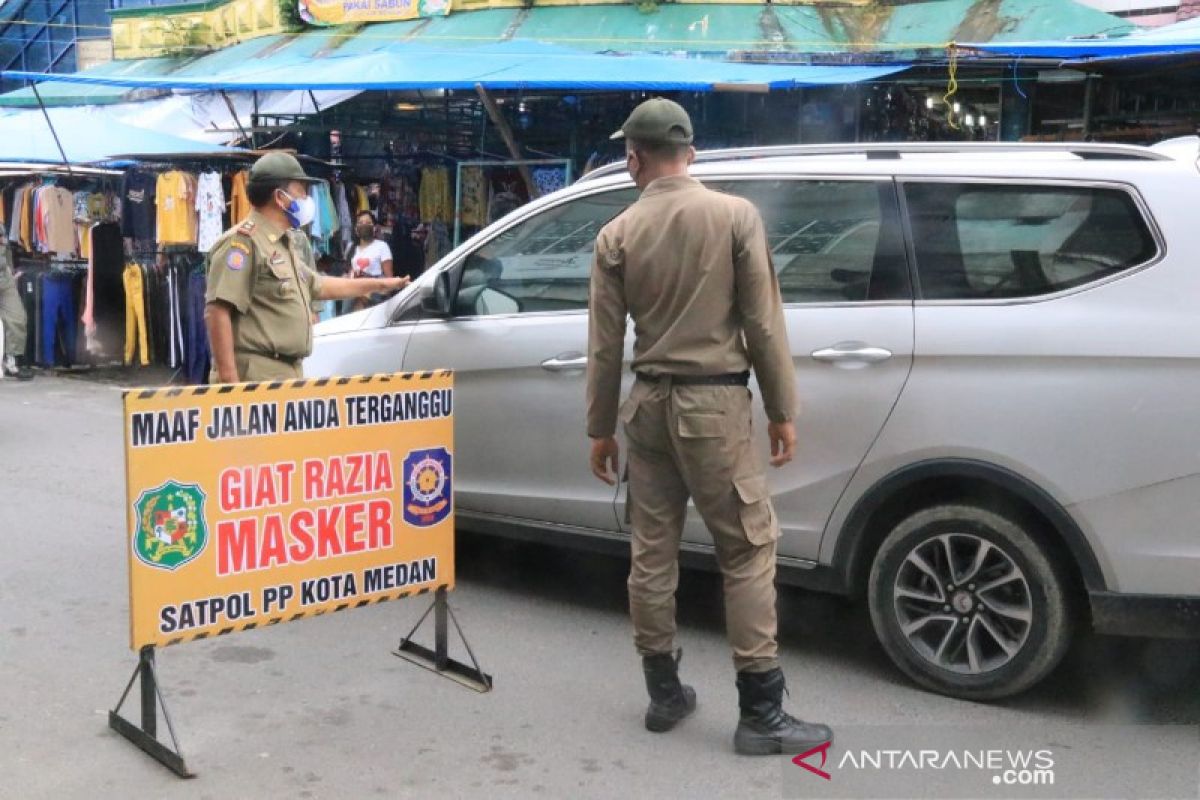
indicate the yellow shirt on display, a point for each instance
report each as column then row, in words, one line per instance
column 176, row 213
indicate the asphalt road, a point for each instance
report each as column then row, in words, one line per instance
column 321, row 708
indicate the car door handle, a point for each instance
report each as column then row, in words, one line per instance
column 564, row 362
column 852, row 353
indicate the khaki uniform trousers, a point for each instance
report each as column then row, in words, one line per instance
column 254, row 368
column 695, row 441
column 12, row 315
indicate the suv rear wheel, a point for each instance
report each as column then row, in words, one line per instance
column 968, row 604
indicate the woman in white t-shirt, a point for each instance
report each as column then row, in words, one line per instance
column 372, row 258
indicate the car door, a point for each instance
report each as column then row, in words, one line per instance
column 837, row 245
column 517, row 342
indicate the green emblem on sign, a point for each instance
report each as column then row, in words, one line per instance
column 170, row 525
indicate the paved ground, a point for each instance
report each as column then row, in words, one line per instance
column 321, row 709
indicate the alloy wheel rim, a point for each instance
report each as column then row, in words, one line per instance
column 963, row 604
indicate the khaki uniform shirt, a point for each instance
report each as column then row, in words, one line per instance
column 268, row 275
column 693, row 268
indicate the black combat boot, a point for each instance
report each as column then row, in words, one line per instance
column 670, row 700
column 764, row 728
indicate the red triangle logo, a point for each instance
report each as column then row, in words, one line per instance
column 823, row 749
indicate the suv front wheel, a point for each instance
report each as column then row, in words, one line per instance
column 968, row 604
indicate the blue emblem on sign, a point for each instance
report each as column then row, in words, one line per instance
column 428, row 493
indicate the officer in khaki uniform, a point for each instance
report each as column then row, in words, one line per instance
column 12, row 316
column 693, row 269
column 263, row 284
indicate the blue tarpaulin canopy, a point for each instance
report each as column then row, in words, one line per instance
column 506, row 65
column 1178, row 39
column 1085, row 50
column 85, row 138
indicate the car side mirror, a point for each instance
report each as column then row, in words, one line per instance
column 437, row 303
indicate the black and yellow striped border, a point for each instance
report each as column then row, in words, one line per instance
column 149, row 393
column 320, row 612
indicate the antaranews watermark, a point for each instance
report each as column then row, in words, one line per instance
column 1000, row 762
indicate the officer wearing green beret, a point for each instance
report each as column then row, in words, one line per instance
column 263, row 282
column 693, row 269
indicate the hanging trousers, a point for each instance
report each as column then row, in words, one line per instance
column 135, row 317
column 31, row 291
column 58, row 317
column 197, row 335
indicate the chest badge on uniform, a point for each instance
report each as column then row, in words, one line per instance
column 236, row 258
column 277, row 259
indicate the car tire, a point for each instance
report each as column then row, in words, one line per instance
column 995, row 634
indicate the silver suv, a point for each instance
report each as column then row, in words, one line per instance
column 998, row 356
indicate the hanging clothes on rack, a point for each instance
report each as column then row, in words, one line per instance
column 407, row 256
column 57, row 315
column 474, row 203
column 136, row 333
column 198, row 361
column 436, row 201
column 362, row 202
column 171, row 316
column 210, row 206
column 437, row 243
column 30, row 290
column 55, row 212
column 239, row 207
column 138, row 205
column 176, row 217
column 345, row 222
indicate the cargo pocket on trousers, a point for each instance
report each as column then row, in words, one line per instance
column 757, row 513
column 701, row 426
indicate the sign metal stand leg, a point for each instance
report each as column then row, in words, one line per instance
column 438, row 660
column 146, row 737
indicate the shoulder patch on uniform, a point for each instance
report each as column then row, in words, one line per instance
column 246, row 227
column 613, row 257
column 235, row 259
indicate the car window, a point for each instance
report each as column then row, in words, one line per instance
column 976, row 241
column 831, row 241
column 542, row 263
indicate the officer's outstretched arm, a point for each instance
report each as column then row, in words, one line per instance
column 344, row 288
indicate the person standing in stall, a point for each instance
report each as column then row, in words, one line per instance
column 372, row 257
column 262, row 280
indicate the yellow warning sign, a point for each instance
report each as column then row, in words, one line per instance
column 254, row 504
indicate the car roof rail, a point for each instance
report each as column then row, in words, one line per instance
column 885, row 150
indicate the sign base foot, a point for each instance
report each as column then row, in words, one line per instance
column 145, row 737
column 438, row 659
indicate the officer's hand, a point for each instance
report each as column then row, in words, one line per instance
column 395, row 284
column 783, row 442
column 605, row 454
